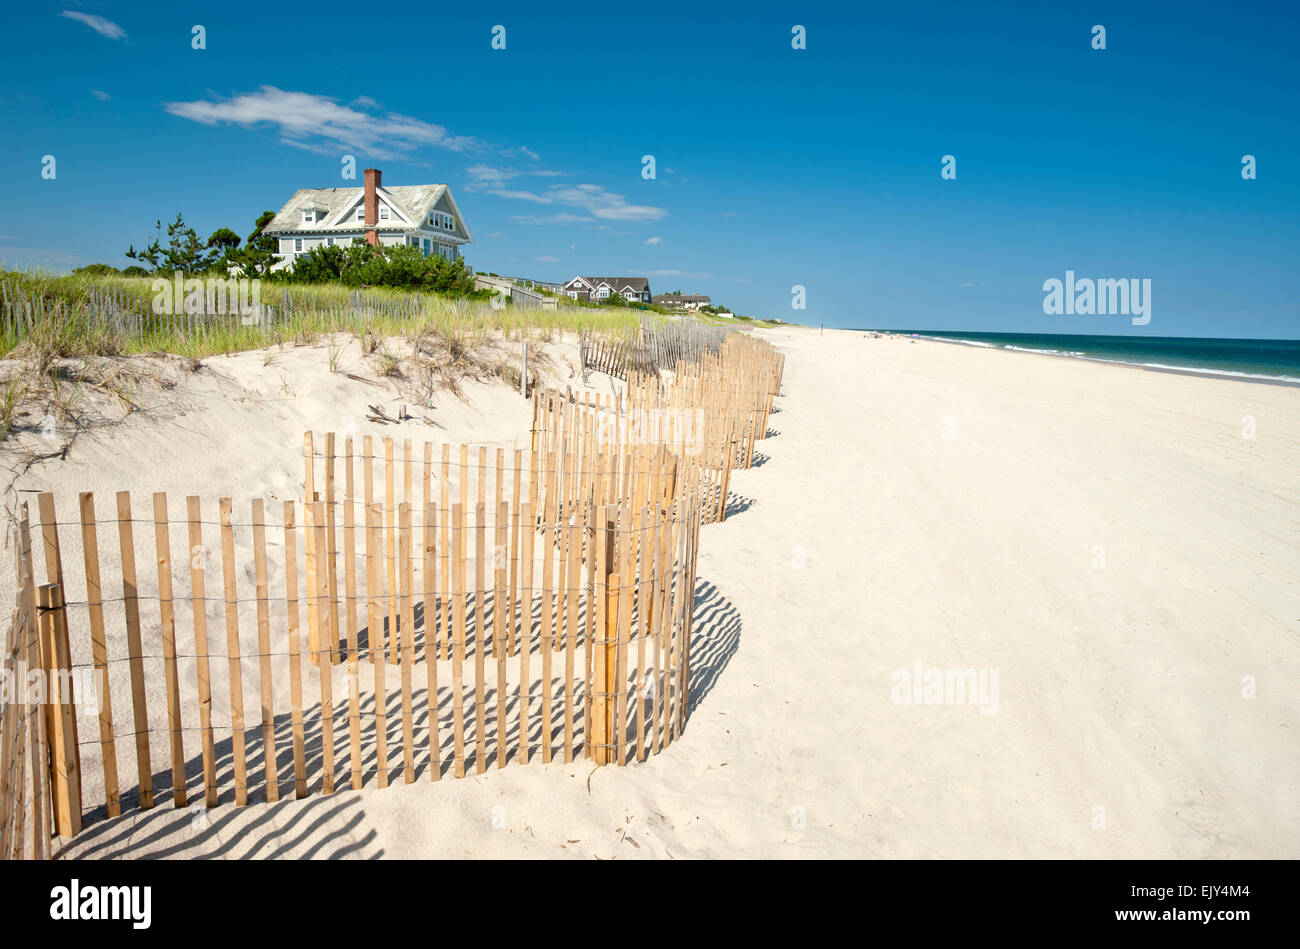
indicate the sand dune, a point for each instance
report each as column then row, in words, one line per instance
column 1102, row 539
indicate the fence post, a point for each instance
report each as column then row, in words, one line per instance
column 65, row 755
column 523, row 380
column 605, row 655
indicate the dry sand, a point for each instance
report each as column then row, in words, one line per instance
column 1102, row 538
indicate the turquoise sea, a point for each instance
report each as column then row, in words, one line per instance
column 1264, row 359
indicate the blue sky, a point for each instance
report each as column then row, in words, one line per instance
column 775, row 167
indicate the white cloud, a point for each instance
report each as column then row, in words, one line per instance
column 653, row 240
column 100, row 94
column 105, row 28
column 320, row 124
column 598, row 202
column 547, row 260
column 561, row 218
column 496, row 234
column 486, row 174
column 679, row 273
column 530, row 153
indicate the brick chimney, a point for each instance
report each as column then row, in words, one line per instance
column 373, row 183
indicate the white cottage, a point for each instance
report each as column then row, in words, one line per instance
column 423, row 216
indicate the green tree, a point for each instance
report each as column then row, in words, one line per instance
column 225, row 242
column 259, row 250
column 185, row 251
column 96, row 270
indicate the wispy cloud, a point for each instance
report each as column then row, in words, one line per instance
column 561, row 218
column 547, row 260
column 598, row 202
column 100, row 94
column 653, row 240
column 490, row 175
column 680, row 273
column 320, row 124
column 105, row 28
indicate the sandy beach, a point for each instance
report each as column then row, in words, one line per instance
column 1103, row 548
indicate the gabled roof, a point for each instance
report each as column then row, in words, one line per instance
column 618, row 284
column 411, row 205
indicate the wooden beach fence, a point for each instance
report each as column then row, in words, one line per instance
column 538, row 603
column 554, row 627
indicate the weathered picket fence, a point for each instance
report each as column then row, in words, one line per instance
column 516, row 632
column 538, row 603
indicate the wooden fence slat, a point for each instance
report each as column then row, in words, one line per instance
column 318, row 585
column 369, row 479
column 501, row 611
column 480, row 626
column 269, row 770
column 407, row 643
column 65, row 764
column 167, row 617
column 131, row 604
column 331, row 550
column 430, row 581
column 295, row 651
column 198, row 602
column 573, row 536
column 374, row 619
column 458, row 639
column 525, row 518
column 233, row 657
column 549, row 529
column 99, row 651
column 390, row 545
column 42, row 819
column 350, row 595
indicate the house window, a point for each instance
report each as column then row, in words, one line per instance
column 383, row 212
column 329, row 241
column 447, row 224
column 361, row 213
column 297, row 245
column 426, row 247
column 433, row 218
column 309, row 217
column 602, row 292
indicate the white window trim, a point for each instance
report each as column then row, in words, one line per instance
column 383, row 212
column 297, row 245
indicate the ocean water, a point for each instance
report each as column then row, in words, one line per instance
column 1266, row 359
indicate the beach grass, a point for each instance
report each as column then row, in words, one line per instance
column 57, row 316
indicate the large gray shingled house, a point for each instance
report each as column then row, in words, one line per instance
column 423, row 216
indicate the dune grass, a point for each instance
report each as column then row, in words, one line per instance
column 59, row 316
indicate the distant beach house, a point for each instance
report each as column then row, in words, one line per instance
column 423, row 216
column 689, row 301
column 632, row 289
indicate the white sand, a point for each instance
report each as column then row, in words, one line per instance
column 919, row 502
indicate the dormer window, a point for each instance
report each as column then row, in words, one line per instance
column 383, row 212
column 309, row 216
column 433, row 218
column 361, row 213
column 447, row 223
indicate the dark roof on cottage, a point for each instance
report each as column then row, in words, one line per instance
column 639, row 284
